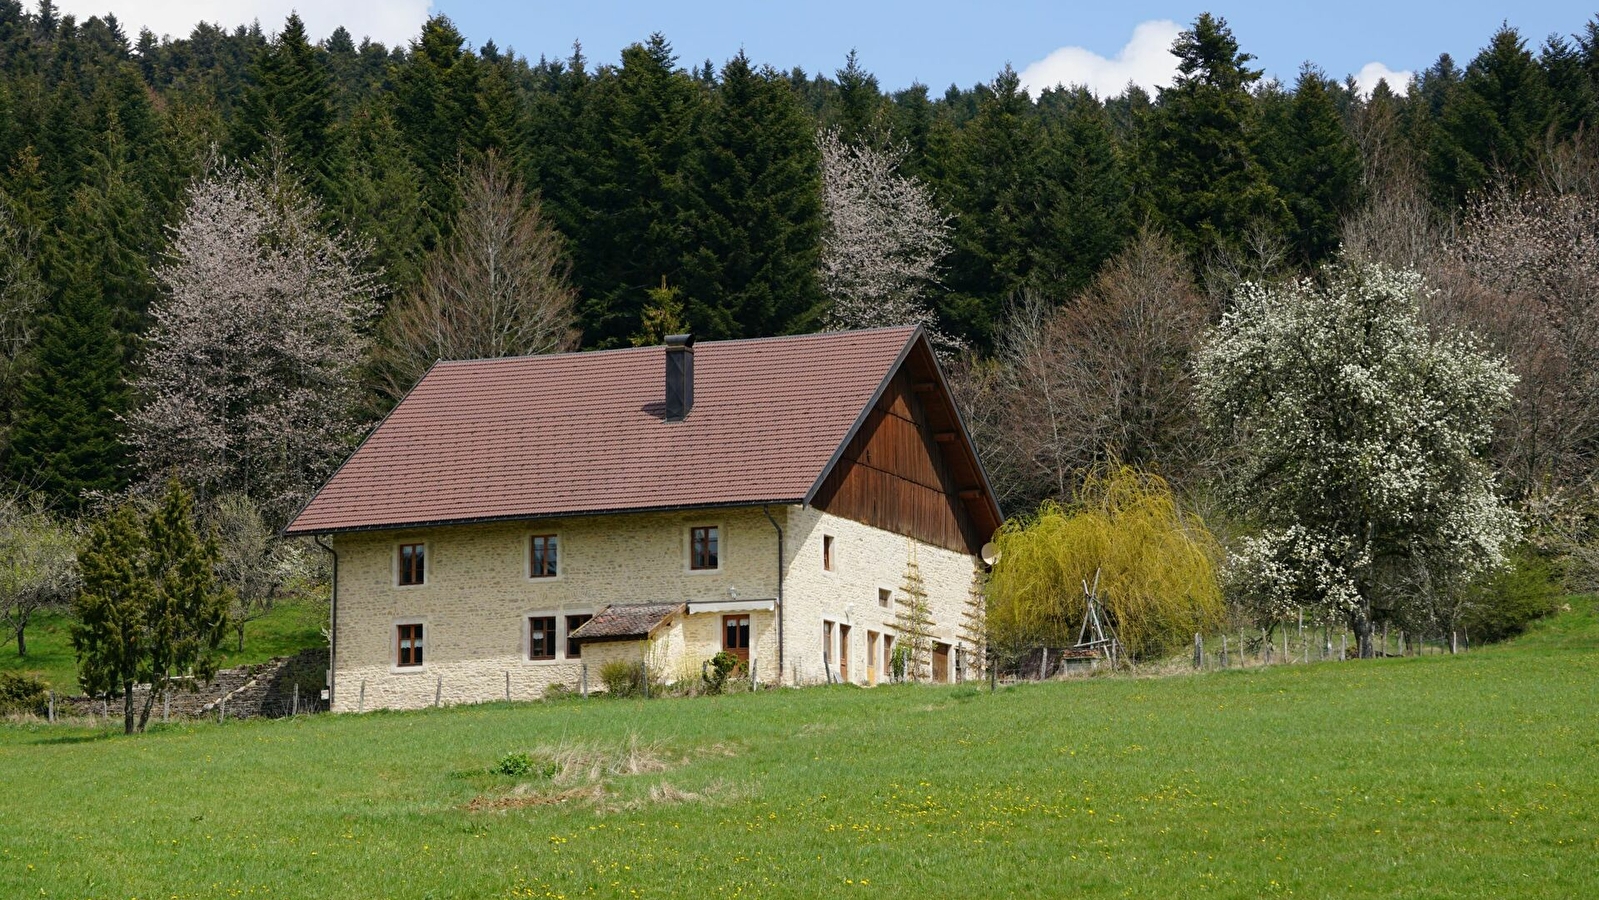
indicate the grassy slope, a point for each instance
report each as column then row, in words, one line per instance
column 1464, row 776
column 289, row 628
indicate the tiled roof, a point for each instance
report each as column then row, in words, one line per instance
column 576, row 433
column 625, row 621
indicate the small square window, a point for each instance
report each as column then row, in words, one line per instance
column 543, row 556
column 827, row 552
column 704, row 547
column 574, row 650
column 541, row 637
column 409, row 649
column 413, row 564
column 885, row 598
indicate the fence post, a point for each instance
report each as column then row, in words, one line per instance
column 52, row 707
column 993, row 675
column 507, row 685
column 222, row 710
column 646, row 678
column 1265, row 648
column 585, row 681
column 1343, row 647
column 360, row 704
column 1454, row 644
column 1043, row 665
column 438, row 691
column 754, row 682
column 296, row 699
column 1199, row 651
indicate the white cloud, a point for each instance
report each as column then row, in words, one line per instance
column 389, row 21
column 1371, row 73
column 1146, row 61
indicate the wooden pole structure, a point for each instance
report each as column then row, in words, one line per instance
column 507, row 685
column 360, row 704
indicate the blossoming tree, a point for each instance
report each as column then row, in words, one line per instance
column 1361, row 440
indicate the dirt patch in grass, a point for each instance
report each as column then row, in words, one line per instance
column 589, row 773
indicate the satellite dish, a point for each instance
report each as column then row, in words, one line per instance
column 989, row 553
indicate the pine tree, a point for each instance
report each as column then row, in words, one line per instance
column 1314, row 164
column 974, row 626
column 289, row 102
column 753, row 213
column 1088, row 216
column 638, row 132
column 108, row 628
column 1203, row 184
column 913, row 619
column 66, row 442
column 663, row 316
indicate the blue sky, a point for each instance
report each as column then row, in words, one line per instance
column 934, row 41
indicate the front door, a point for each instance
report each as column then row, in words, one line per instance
column 888, row 656
column 736, row 635
column 941, row 663
column 843, row 653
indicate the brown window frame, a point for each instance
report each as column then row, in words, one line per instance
column 711, row 558
column 551, row 561
column 735, row 620
column 885, row 598
column 575, row 651
column 414, row 656
column 412, row 572
column 533, row 630
column 827, row 552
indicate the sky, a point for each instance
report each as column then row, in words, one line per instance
column 935, row 42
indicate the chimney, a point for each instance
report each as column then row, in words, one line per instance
column 679, row 376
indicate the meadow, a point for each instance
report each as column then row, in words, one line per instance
column 1442, row 776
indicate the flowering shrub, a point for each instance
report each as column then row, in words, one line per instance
column 1361, row 440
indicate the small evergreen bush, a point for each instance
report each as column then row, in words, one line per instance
column 22, row 694
column 1505, row 602
column 623, row 678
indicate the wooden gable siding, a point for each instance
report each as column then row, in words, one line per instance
column 893, row 475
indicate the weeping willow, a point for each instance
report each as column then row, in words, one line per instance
column 1157, row 567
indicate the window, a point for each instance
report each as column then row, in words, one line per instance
column 541, row 637
column 413, row 564
column 409, row 650
column 573, row 623
column 827, row 552
column 885, row 598
column 542, row 556
column 736, row 635
column 703, row 547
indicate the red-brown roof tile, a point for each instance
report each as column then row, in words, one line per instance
column 577, row 433
column 626, row 622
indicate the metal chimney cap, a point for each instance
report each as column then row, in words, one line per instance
column 685, row 341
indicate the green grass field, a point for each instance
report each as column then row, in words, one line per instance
column 288, row 628
column 1469, row 776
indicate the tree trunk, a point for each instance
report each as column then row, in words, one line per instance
column 127, row 707
column 22, row 641
column 241, row 637
column 149, row 701
column 1363, row 631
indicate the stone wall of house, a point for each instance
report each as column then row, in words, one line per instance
column 477, row 599
column 866, row 561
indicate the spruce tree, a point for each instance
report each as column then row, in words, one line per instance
column 1314, row 163
column 1202, row 183
column 66, row 442
column 1495, row 122
column 436, row 108
column 1088, row 216
column 753, row 210
column 288, row 102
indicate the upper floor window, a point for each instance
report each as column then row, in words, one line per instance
column 413, row 564
column 827, row 552
column 704, row 547
column 542, row 556
column 409, row 649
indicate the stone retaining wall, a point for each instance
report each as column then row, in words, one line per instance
column 246, row 692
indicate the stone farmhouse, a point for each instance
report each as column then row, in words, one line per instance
column 515, row 523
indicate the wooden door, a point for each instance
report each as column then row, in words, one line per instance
column 940, row 663
column 888, row 656
column 871, row 657
column 843, row 653
column 736, row 635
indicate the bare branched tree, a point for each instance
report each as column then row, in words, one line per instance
column 884, row 241
column 251, row 383
column 1105, row 376
column 497, row 288
column 257, row 567
column 38, row 564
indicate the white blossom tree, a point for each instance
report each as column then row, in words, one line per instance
column 884, row 239
column 1361, row 441
column 497, row 288
column 251, row 381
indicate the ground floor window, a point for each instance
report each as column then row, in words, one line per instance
column 409, row 645
column 541, row 637
column 574, row 649
column 736, row 635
